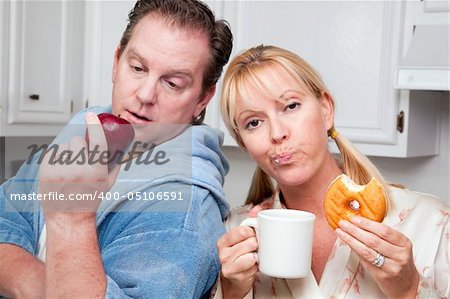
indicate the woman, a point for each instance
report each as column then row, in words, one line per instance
column 278, row 109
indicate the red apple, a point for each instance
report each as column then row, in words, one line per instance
column 119, row 134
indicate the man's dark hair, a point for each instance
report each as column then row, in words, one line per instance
column 191, row 14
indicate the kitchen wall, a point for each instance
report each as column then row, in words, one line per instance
column 425, row 174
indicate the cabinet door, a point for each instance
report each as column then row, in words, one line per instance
column 106, row 22
column 351, row 44
column 45, row 60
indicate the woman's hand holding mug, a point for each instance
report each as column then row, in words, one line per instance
column 237, row 253
column 239, row 261
column 284, row 243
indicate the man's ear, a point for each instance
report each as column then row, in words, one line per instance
column 204, row 100
column 327, row 106
column 115, row 64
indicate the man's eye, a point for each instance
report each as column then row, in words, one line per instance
column 137, row 69
column 172, row 85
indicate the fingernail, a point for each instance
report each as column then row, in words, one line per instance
column 339, row 232
column 90, row 115
column 344, row 224
column 355, row 220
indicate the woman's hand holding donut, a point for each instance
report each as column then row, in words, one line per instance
column 377, row 243
column 239, row 261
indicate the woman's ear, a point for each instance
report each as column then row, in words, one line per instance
column 327, row 106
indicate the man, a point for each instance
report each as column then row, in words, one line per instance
column 145, row 245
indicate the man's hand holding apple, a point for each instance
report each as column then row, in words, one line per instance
column 86, row 178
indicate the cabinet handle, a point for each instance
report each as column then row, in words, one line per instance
column 400, row 121
column 34, row 97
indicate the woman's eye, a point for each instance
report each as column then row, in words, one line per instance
column 292, row 106
column 252, row 124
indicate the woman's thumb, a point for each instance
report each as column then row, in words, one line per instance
column 265, row 205
column 254, row 211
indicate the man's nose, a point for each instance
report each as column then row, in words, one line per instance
column 146, row 92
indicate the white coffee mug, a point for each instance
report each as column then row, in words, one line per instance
column 285, row 240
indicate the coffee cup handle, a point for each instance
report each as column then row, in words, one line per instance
column 254, row 224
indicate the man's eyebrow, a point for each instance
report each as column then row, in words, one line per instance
column 134, row 52
column 171, row 72
column 179, row 73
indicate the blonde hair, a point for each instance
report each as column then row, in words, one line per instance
column 244, row 70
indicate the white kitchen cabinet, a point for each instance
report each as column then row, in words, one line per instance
column 355, row 46
column 105, row 24
column 42, row 65
column 425, row 62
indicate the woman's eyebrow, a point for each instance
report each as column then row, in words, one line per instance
column 281, row 97
column 246, row 111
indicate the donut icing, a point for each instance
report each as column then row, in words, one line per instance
column 345, row 198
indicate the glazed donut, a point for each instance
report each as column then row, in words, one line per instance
column 345, row 198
